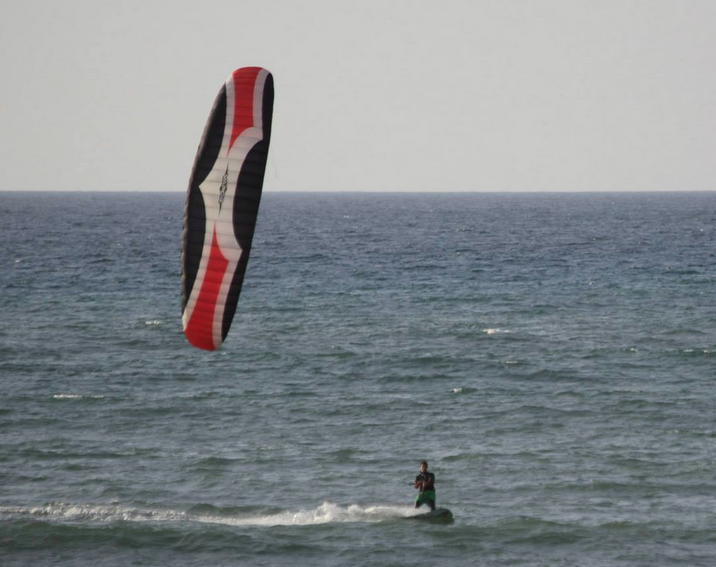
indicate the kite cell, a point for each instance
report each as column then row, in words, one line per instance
column 222, row 204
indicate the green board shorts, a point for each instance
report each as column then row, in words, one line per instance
column 425, row 497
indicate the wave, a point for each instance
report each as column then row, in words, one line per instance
column 326, row 513
column 76, row 397
column 463, row 390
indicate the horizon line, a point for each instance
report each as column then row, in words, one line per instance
column 376, row 192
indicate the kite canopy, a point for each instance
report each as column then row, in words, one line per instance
column 222, row 204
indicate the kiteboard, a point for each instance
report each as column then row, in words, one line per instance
column 437, row 515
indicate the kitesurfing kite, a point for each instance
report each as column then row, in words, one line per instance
column 222, row 204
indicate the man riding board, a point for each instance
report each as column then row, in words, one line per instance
column 425, row 483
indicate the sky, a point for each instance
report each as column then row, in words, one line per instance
column 388, row 95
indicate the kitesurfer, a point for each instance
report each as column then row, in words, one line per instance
column 425, row 484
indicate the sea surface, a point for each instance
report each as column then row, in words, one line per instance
column 552, row 356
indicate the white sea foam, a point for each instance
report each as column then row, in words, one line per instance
column 76, row 397
column 153, row 322
column 496, row 331
column 326, row 513
column 90, row 512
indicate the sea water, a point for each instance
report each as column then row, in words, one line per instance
column 552, row 356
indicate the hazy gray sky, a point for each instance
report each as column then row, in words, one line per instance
column 388, row 95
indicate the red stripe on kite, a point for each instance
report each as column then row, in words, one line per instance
column 244, row 83
column 199, row 330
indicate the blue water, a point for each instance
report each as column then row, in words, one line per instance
column 551, row 356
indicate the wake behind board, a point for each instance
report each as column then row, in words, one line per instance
column 437, row 515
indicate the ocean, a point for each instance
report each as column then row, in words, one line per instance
column 552, row 356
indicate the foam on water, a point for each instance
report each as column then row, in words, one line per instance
column 496, row 331
column 326, row 513
column 76, row 397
